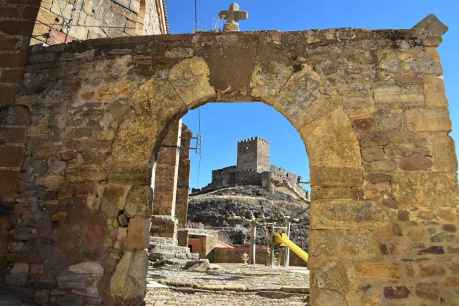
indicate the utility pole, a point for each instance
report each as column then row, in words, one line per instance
column 287, row 250
column 253, row 238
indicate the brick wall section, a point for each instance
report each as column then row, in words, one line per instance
column 16, row 23
column 183, row 182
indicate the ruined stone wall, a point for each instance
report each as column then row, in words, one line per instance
column 183, row 181
column 370, row 106
column 61, row 21
column 223, row 177
column 280, row 175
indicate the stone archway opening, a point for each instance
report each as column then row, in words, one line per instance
column 370, row 106
column 213, row 219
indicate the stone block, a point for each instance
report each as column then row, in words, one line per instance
column 11, row 156
column 428, row 120
column 70, row 280
column 114, row 199
column 443, row 152
column 138, row 201
column 411, row 95
column 428, row 291
column 431, row 270
column 347, row 213
column 416, row 162
column 373, row 153
column 88, row 267
column 332, row 142
column 434, row 91
column 15, row 115
column 41, row 297
column 397, row 292
column 138, row 233
column 9, row 184
column 190, row 78
column 331, row 281
column 331, row 243
column 128, row 283
column 320, row 193
column 423, row 190
column 430, row 30
column 51, row 182
column 18, row 275
column 376, row 270
column 333, row 177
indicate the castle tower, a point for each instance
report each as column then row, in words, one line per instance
column 253, row 155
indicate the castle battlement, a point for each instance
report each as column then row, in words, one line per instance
column 253, row 139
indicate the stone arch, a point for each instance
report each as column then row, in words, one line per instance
column 324, row 127
column 369, row 105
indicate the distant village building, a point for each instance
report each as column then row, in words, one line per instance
column 254, row 168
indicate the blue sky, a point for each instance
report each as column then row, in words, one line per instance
column 223, row 124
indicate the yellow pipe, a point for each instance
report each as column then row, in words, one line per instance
column 282, row 240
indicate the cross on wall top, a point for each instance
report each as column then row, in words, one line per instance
column 232, row 17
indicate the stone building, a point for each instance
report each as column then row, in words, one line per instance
column 254, row 168
column 61, row 21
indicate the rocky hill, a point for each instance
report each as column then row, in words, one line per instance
column 231, row 208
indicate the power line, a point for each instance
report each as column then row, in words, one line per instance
column 199, row 146
column 195, row 16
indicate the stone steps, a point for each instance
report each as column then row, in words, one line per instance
column 161, row 248
column 162, row 241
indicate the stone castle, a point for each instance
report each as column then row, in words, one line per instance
column 254, row 168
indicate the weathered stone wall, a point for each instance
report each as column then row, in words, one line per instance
column 280, row 175
column 370, row 106
column 183, row 181
column 61, row 21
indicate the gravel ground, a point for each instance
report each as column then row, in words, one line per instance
column 228, row 284
column 161, row 296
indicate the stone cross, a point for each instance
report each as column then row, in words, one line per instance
column 232, row 17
